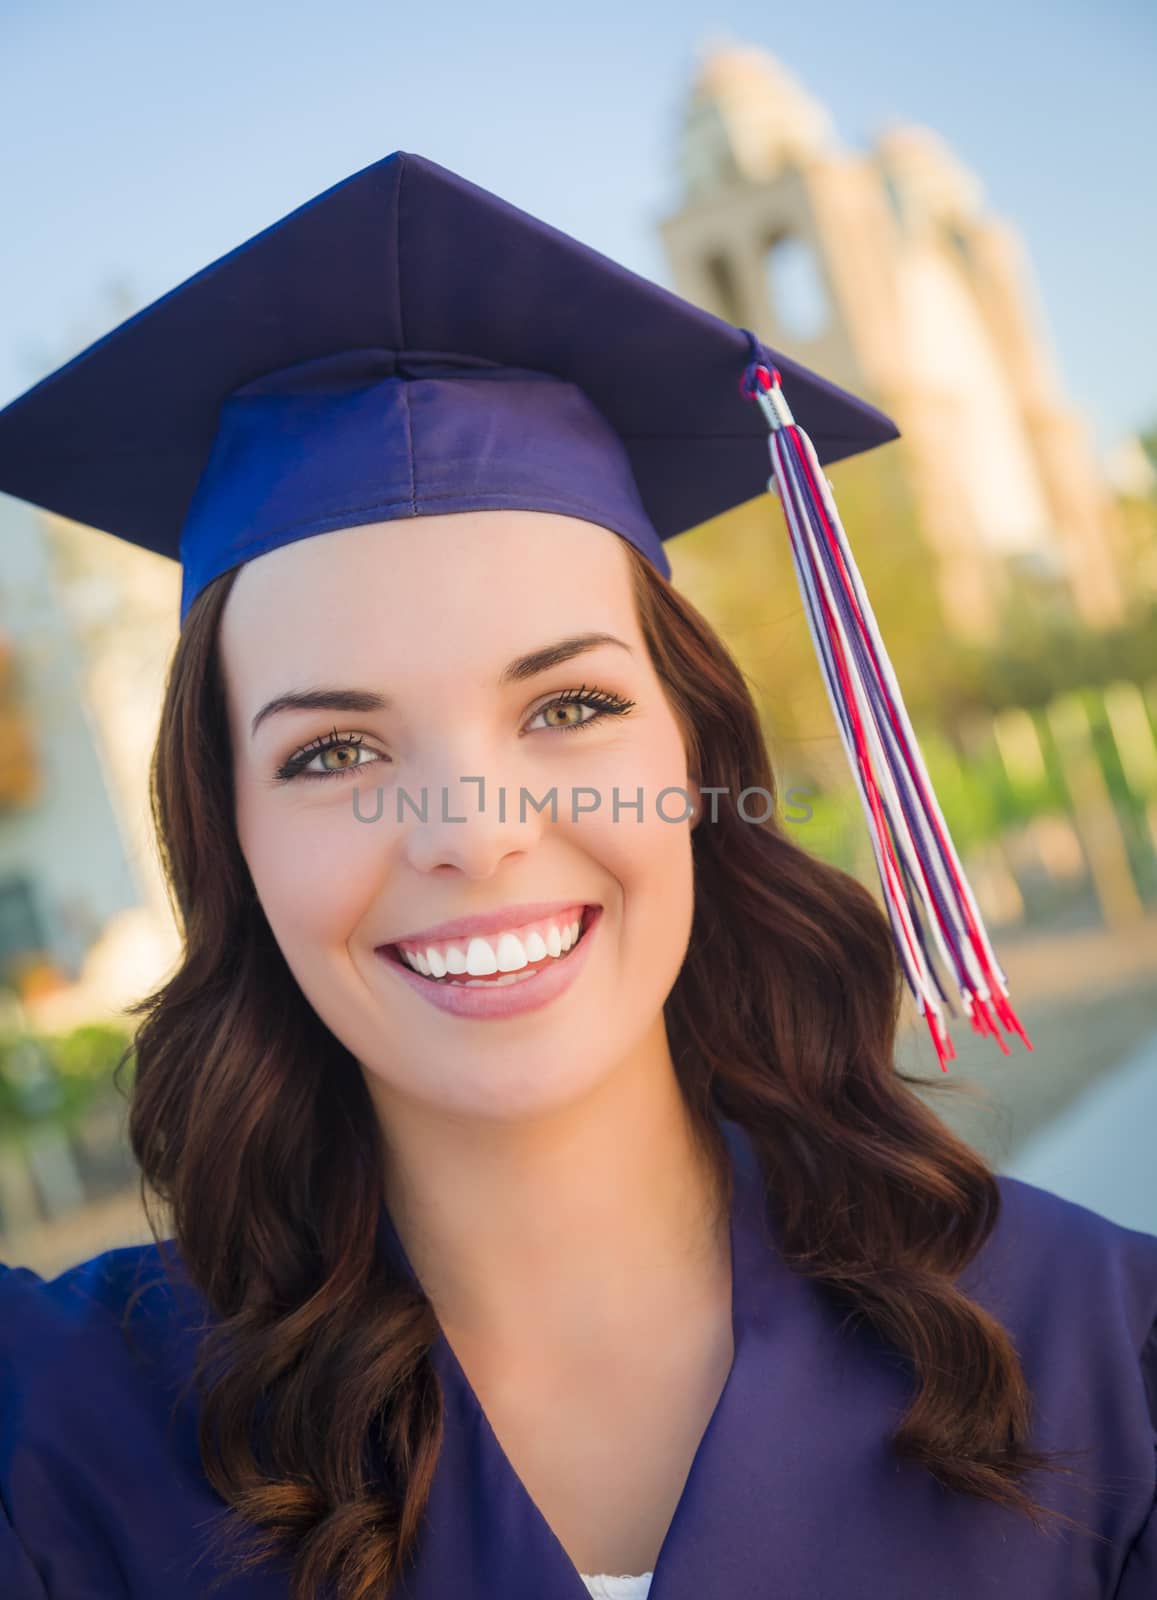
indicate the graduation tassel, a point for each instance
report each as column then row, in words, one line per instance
column 927, row 896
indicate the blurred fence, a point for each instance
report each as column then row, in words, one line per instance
column 1048, row 807
column 62, row 1124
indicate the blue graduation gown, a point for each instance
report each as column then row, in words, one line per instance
column 793, row 1493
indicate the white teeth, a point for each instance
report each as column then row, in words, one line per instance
column 512, row 957
column 480, row 958
column 493, row 983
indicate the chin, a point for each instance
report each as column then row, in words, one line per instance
column 515, row 1086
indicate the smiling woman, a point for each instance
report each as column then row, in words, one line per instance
column 550, row 1218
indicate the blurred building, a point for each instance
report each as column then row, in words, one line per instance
column 84, row 923
column 884, row 270
column 63, row 869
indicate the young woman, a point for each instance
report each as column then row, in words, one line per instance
column 549, row 1218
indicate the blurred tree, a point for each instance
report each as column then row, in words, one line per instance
column 1137, row 515
column 21, row 773
column 58, row 1077
column 738, row 569
column 1040, row 657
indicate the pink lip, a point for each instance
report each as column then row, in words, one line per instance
column 489, row 922
column 512, row 999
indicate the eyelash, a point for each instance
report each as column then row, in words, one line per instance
column 604, row 703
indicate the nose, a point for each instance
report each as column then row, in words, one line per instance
column 471, row 824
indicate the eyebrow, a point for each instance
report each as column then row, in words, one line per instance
column 518, row 671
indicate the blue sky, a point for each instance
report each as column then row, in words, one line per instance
column 138, row 142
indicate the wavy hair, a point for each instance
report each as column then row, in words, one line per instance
column 320, row 1417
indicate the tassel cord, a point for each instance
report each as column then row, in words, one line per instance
column 888, row 767
column 913, row 849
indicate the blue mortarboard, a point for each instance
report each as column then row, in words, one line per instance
column 408, row 344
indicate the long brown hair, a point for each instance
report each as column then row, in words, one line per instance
column 321, row 1415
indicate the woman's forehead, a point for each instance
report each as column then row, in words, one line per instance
column 406, row 601
column 434, row 567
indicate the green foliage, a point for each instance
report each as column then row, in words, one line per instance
column 826, row 823
column 56, row 1076
column 1042, row 656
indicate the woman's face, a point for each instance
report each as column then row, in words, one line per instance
column 428, row 614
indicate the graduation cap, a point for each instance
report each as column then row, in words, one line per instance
column 407, row 344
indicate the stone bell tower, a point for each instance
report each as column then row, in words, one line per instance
column 883, row 271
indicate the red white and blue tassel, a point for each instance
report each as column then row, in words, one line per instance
column 926, row 893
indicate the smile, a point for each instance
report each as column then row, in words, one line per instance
column 501, row 976
column 504, row 958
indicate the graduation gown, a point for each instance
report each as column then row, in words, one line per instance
column 793, row 1493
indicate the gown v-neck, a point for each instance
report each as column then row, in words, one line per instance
column 567, row 1583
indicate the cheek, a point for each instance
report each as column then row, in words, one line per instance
column 657, row 873
column 311, row 870
column 643, row 850
column 650, row 857
column 651, row 866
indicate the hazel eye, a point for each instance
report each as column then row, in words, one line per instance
column 562, row 710
column 599, row 701
column 342, row 750
column 332, row 744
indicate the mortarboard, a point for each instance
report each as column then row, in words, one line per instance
column 406, row 344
